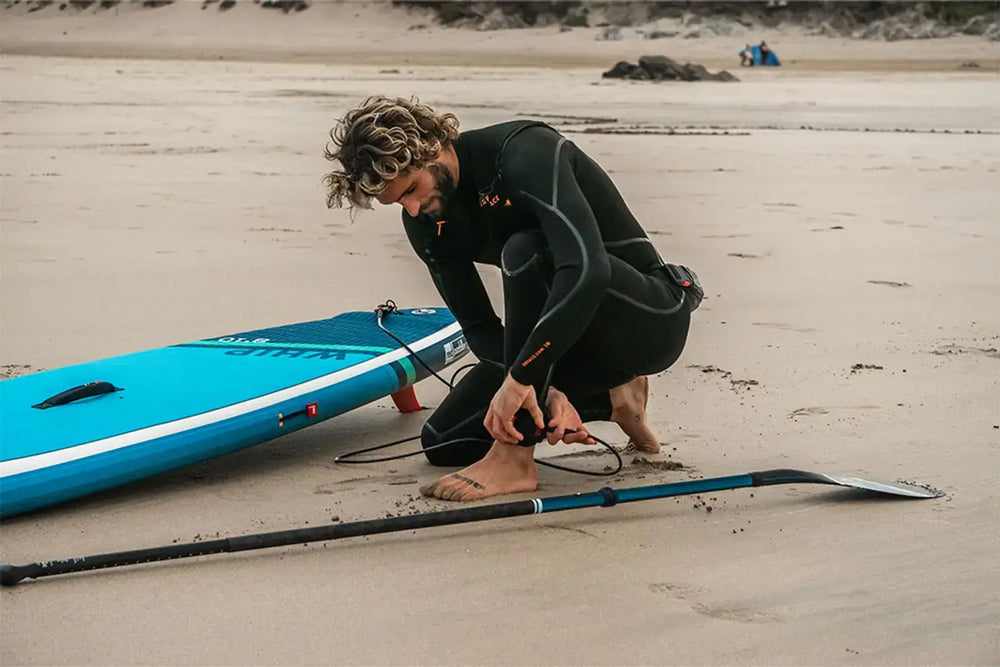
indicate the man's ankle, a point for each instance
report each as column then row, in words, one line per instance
column 516, row 454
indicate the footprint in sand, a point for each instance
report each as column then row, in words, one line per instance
column 783, row 327
column 890, row 283
column 951, row 349
column 8, row 371
column 721, row 612
column 710, row 369
column 679, row 591
column 737, row 614
column 743, row 255
column 802, row 412
column 821, row 410
column 657, row 465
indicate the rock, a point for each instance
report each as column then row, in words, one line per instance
column 693, row 72
column 611, row 33
column 544, row 19
column 451, row 12
column 661, row 67
column 896, row 32
column 720, row 27
column 576, row 17
column 625, row 13
column 498, row 20
column 826, row 30
column 662, row 34
column 977, row 25
column 621, row 70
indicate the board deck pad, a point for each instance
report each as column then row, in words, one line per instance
column 184, row 403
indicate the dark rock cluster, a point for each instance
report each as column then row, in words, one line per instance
column 661, row 68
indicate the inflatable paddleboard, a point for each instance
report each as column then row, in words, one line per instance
column 71, row 431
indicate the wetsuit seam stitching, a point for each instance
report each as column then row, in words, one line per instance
column 615, row 244
column 555, row 173
column 520, row 269
column 583, row 254
column 643, row 306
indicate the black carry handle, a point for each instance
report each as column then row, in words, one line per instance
column 76, row 393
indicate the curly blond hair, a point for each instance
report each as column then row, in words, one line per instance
column 378, row 141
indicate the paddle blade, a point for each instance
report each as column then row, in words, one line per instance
column 789, row 476
column 906, row 489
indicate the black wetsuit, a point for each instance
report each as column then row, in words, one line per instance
column 587, row 303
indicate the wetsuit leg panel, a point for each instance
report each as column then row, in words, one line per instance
column 527, row 279
column 641, row 325
column 461, row 415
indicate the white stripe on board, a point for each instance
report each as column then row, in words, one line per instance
column 38, row 461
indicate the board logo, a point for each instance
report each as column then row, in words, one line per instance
column 423, row 311
column 455, row 348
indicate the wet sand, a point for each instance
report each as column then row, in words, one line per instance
column 844, row 221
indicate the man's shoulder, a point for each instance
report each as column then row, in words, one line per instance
column 497, row 134
column 529, row 149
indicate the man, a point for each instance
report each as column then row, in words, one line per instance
column 590, row 308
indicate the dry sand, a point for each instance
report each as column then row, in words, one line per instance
column 152, row 201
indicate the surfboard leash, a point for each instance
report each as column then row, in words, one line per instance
column 386, row 309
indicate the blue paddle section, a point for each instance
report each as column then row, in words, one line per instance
column 183, row 404
column 597, row 498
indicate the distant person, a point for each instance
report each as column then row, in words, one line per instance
column 746, row 56
column 764, row 51
column 590, row 308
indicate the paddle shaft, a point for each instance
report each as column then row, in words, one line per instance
column 606, row 497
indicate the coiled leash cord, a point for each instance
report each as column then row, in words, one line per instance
column 390, row 307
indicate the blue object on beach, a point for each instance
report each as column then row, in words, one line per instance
column 771, row 59
column 71, row 431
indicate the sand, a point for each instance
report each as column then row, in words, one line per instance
column 841, row 214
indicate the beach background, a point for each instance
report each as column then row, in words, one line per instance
column 161, row 181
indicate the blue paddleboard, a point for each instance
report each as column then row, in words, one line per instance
column 71, row 431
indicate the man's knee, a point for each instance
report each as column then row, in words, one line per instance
column 428, row 440
column 521, row 248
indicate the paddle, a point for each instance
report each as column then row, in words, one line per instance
column 605, row 497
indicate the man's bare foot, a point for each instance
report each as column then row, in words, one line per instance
column 628, row 410
column 504, row 469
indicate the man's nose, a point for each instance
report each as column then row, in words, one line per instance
column 411, row 206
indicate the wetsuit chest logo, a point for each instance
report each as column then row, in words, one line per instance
column 491, row 200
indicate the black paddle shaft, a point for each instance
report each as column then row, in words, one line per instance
column 12, row 574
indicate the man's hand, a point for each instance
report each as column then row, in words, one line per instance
column 511, row 397
column 565, row 418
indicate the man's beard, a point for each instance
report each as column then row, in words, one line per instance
column 445, row 186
